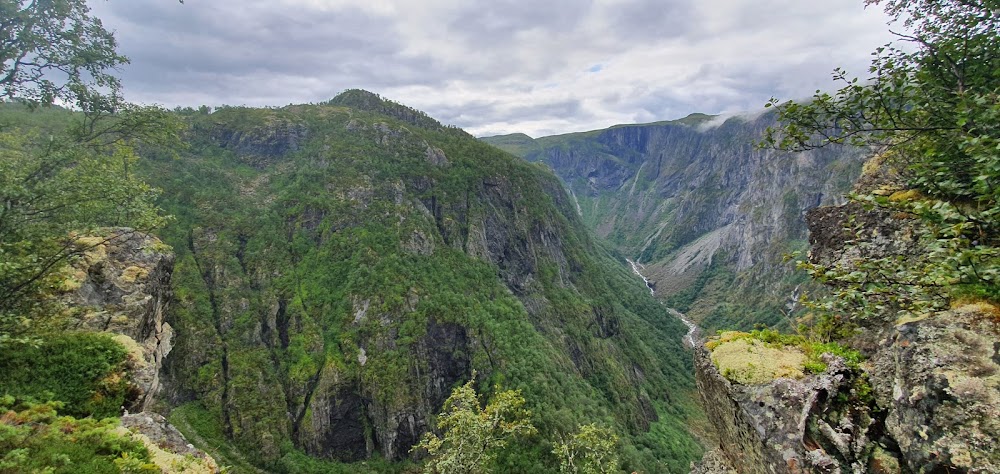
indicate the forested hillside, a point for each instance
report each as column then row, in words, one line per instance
column 707, row 214
column 342, row 266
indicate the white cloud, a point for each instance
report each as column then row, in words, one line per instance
column 496, row 66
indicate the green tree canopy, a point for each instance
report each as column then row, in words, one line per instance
column 472, row 435
column 931, row 109
column 75, row 175
column 591, row 450
column 53, row 50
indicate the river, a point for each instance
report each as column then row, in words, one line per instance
column 692, row 327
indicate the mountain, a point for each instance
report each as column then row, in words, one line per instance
column 706, row 214
column 341, row 267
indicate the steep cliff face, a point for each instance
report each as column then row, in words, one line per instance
column 329, row 298
column 816, row 423
column 678, row 196
column 934, row 380
column 122, row 286
column 937, row 375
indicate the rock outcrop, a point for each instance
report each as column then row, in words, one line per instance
column 121, row 285
column 934, row 380
column 261, row 145
column 167, row 446
column 816, row 423
column 936, row 375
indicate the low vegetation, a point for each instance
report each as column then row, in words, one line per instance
column 35, row 438
column 86, row 372
column 761, row 356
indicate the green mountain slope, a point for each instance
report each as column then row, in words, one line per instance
column 341, row 267
column 707, row 214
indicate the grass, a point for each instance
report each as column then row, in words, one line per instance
column 760, row 356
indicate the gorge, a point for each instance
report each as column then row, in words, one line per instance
column 351, row 285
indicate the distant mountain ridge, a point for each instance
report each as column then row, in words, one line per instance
column 706, row 212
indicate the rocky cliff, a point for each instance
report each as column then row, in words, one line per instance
column 337, row 278
column 121, row 285
column 925, row 400
column 681, row 196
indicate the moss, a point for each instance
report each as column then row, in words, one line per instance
column 751, row 362
column 135, row 351
column 89, row 241
column 70, row 279
column 905, row 196
column 764, row 355
column 977, row 306
column 883, row 462
column 726, row 336
column 133, row 273
column 160, row 247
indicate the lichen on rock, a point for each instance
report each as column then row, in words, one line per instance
column 121, row 285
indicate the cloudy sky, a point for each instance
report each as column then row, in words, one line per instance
column 494, row 66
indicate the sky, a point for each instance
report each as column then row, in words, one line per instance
column 540, row 67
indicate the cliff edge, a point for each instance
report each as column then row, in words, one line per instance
column 926, row 397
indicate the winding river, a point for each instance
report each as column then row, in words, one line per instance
column 692, row 328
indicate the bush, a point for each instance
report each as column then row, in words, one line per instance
column 33, row 438
column 85, row 371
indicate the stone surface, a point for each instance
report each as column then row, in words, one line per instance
column 264, row 145
column 122, row 286
column 713, row 462
column 170, row 451
column 939, row 379
column 813, row 424
column 934, row 377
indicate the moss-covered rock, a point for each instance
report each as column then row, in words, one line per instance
column 749, row 361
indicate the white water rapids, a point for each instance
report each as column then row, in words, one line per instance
column 692, row 328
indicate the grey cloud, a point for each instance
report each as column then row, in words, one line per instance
column 210, row 47
column 477, row 112
column 487, row 23
column 491, row 65
column 652, row 20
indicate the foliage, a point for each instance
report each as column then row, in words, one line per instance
column 932, row 108
column 471, row 435
column 50, row 187
column 592, row 449
column 84, row 371
column 682, row 300
column 54, row 50
column 33, row 438
column 357, row 217
column 72, row 176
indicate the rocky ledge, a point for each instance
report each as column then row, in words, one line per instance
column 121, row 285
column 925, row 400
